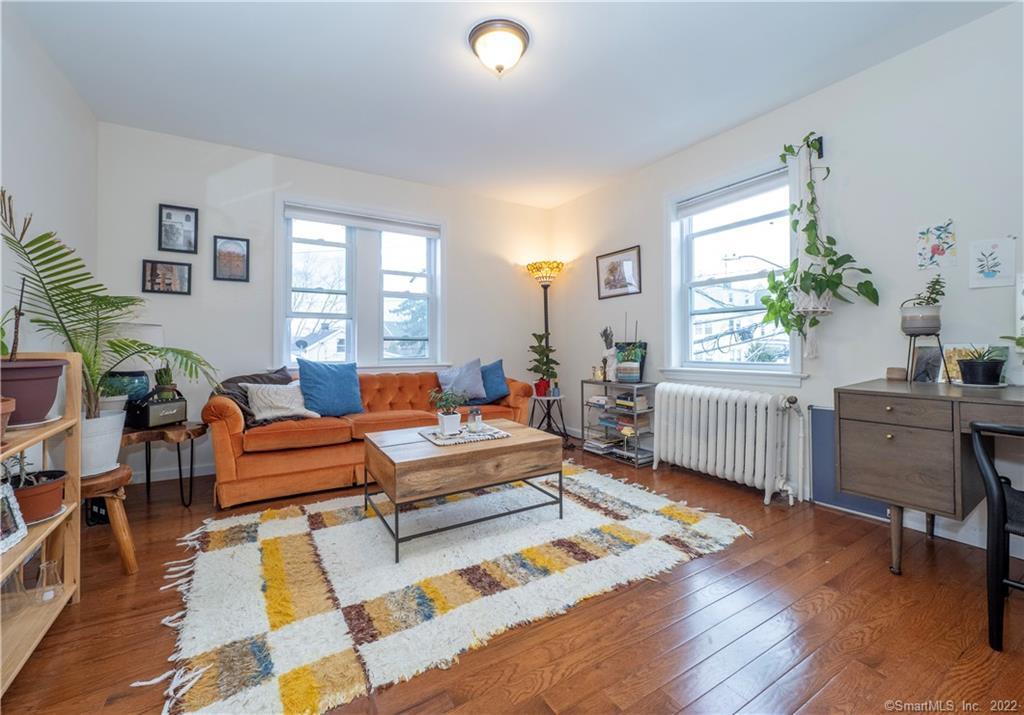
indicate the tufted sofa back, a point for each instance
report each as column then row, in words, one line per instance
column 386, row 391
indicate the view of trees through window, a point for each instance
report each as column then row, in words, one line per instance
column 731, row 248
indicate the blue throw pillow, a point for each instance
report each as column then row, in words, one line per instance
column 464, row 379
column 330, row 388
column 495, row 385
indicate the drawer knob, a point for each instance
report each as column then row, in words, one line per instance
column 888, row 408
column 888, row 435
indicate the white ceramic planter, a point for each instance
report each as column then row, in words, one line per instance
column 101, row 442
column 920, row 319
column 449, row 424
column 113, row 404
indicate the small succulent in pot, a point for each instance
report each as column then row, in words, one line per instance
column 981, row 367
column 920, row 315
column 447, row 404
column 164, row 378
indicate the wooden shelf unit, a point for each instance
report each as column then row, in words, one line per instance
column 59, row 537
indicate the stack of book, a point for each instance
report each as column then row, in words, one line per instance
column 600, row 401
column 627, row 401
column 642, row 456
column 602, row 445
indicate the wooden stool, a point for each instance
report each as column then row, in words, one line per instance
column 110, row 486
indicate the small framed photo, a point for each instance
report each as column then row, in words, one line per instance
column 12, row 525
column 927, row 365
column 178, row 229
column 618, row 273
column 166, row 277
column 230, row 259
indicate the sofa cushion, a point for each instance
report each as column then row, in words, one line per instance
column 464, row 379
column 495, row 383
column 297, row 434
column 233, row 390
column 394, row 419
column 330, row 388
column 491, row 412
column 272, row 402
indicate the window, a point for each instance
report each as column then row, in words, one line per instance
column 728, row 242
column 358, row 288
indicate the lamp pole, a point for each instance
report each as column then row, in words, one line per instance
column 545, row 286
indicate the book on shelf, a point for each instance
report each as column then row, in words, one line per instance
column 641, row 456
column 627, row 401
column 598, row 401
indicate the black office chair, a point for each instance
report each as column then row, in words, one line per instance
column 1005, row 517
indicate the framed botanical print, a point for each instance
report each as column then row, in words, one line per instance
column 12, row 525
column 230, row 259
column 178, row 229
column 618, row 273
column 166, row 277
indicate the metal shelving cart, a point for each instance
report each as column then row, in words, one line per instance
column 625, row 405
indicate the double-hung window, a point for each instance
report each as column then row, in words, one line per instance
column 359, row 288
column 729, row 240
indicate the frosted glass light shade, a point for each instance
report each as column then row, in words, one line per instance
column 544, row 272
column 499, row 44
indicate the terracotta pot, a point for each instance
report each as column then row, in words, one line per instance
column 42, row 500
column 6, row 408
column 33, row 383
column 540, row 388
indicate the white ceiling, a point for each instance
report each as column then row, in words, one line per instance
column 393, row 89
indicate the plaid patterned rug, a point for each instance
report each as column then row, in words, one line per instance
column 302, row 609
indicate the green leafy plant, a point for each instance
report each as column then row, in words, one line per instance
column 447, row 402
column 931, row 295
column 5, row 320
column 829, row 271
column 1017, row 340
column 543, row 365
column 986, row 352
column 63, row 298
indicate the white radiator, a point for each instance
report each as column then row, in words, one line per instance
column 736, row 435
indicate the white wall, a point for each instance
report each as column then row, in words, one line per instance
column 932, row 134
column 491, row 303
column 48, row 153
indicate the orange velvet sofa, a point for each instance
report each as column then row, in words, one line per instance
column 299, row 456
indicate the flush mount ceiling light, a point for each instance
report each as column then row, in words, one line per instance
column 499, row 44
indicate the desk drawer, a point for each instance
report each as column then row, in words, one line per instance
column 985, row 412
column 909, row 412
column 908, row 466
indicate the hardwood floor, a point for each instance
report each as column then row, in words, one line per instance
column 803, row 617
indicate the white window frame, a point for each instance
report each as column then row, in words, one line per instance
column 679, row 249
column 433, row 305
column 364, row 297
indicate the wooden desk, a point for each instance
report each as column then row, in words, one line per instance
column 908, row 445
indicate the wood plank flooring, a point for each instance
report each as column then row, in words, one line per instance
column 803, row 617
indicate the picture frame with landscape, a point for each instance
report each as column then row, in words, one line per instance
column 167, row 277
column 230, row 259
column 177, row 229
column 618, row 273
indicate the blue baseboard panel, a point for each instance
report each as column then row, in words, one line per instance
column 823, row 467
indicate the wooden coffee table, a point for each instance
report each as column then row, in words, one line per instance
column 409, row 468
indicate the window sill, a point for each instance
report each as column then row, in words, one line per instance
column 403, row 366
column 719, row 376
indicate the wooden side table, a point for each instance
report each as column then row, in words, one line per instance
column 171, row 434
column 110, row 487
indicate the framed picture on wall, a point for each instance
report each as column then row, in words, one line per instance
column 618, row 273
column 230, row 259
column 166, row 277
column 178, row 229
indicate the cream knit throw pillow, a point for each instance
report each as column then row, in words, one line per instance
column 271, row 402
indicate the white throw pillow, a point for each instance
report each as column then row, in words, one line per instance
column 271, row 402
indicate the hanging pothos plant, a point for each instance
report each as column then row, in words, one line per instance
column 802, row 294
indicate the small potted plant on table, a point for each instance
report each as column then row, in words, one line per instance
column 920, row 315
column 981, row 367
column 447, row 404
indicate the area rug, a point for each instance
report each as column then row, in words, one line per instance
column 302, row 609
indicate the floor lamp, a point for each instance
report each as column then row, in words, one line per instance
column 545, row 272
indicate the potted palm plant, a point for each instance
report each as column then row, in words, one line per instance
column 543, row 365
column 64, row 299
column 447, row 404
